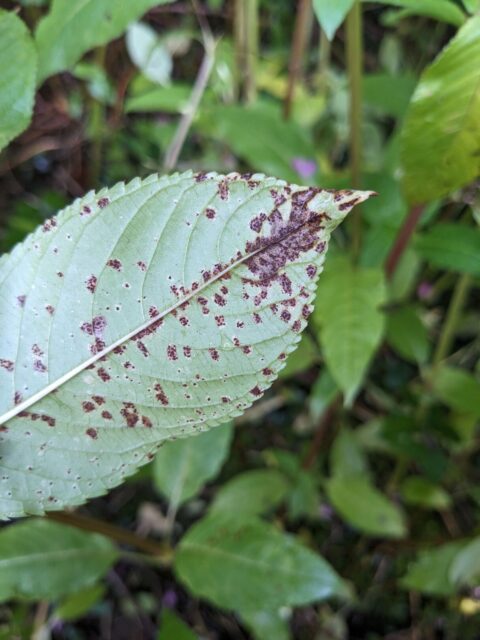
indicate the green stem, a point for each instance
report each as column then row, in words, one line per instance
column 246, row 30
column 97, row 124
column 447, row 336
column 301, row 32
column 355, row 70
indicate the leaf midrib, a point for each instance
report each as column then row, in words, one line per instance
column 26, row 404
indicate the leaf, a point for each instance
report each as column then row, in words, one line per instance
column 181, row 468
column 472, row 6
column 451, row 246
column 266, row 625
column 363, row 506
column 173, row 628
column 440, row 142
column 421, row 492
column 43, row 560
column 148, row 53
column 347, row 457
column 251, row 493
column 388, row 93
column 18, row 61
column 80, row 603
column 330, row 14
column 351, row 325
column 429, row 573
column 171, row 99
column 442, row 10
column 259, row 135
column 457, row 388
column 147, row 312
column 408, row 335
column 70, row 29
column 465, row 567
column 233, row 564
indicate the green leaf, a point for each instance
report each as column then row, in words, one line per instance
column 442, row 10
column 173, row 628
column 70, row 29
column 171, row 99
column 451, row 246
column 181, row 468
column 472, row 6
column 389, row 94
column 149, row 53
column 42, row 560
column 440, row 141
column 351, row 325
column 148, row 312
column 251, row 493
column 429, row 573
column 407, row 334
column 266, row 625
column 421, row 492
column 364, row 507
column 457, row 388
column 259, row 135
column 347, row 457
column 330, row 14
column 303, row 358
column 18, row 61
column 234, row 563
column 465, row 567
column 80, row 603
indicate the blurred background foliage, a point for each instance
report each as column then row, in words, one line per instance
column 346, row 503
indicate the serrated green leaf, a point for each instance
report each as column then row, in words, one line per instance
column 440, row 140
column 443, row 10
column 451, row 246
column 363, row 506
column 233, row 564
column 181, row 468
column 18, row 62
column 251, row 493
column 351, row 325
column 429, row 573
column 147, row 312
column 70, row 29
column 330, row 14
column 408, row 335
column 46, row 560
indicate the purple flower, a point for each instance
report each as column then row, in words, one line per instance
column 305, row 167
column 424, row 290
column 170, row 599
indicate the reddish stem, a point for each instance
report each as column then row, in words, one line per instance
column 403, row 238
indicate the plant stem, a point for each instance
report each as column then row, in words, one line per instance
column 300, row 37
column 113, row 532
column 97, row 126
column 355, row 71
column 447, row 336
column 402, row 240
column 201, row 81
column 246, row 46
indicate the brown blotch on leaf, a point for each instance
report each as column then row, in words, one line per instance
column 21, row 300
column 256, row 391
column 147, row 422
column 210, row 213
column 142, row 348
column 103, row 202
column 130, row 414
column 88, row 407
column 114, row 263
column 103, row 375
column 106, row 415
column 92, row 433
column 160, row 394
column 91, row 283
column 39, row 366
column 8, row 365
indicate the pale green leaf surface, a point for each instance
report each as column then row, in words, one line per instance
column 451, row 246
column 443, row 10
column 146, row 312
column 351, row 325
column 267, row 625
column 363, row 506
column 70, row 29
column 182, row 467
column 441, row 138
column 46, row 560
column 149, row 53
column 18, row 61
column 251, row 493
column 233, row 563
column 465, row 567
column 330, row 14
column 429, row 573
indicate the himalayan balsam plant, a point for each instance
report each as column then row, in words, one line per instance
column 146, row 312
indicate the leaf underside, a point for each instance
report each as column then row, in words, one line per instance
column 147, row 312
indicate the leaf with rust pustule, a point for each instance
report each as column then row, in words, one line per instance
column 146, row 312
